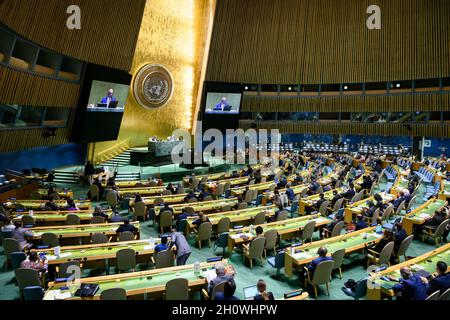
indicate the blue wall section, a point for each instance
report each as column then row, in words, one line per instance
column 44, row 157
column 438, row 147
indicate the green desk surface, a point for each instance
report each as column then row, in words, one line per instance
column 428, row 264
column 259, row 187
column 360, row 205
column 88, row 229
column 280, row 226
column 199, row 206
column 310, row 252
column 36, row 204
column 57, row 217
column 297, row 190
column 91, row 252
column 327, row 194
column 135, row 281
column 237, row 215
column 428, row 211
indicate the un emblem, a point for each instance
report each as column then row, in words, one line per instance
column 153, row 86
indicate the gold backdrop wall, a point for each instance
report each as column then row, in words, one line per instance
column 173, row 34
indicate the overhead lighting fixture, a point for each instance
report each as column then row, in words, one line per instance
column 246, row 88
column 345, row 87
column 398, row 85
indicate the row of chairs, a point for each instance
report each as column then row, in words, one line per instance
column 425, row 175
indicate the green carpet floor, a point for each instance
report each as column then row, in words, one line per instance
column 354, row 266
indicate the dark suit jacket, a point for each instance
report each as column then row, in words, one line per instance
column 125, row 227
column 260, row 298
column 411, row 289
column 441, row 283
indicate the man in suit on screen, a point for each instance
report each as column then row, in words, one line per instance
column 223, row 105
column 109, row 97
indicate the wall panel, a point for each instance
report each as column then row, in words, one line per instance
column 108, row 34
column 19, row 87
column 327, row 41
column 395, row 103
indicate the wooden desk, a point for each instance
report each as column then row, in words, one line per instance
column 145, row 283
column 258, row 187
column 51, row 218
column 268, row 196
column 351, row 242
column 98, row 255
column 143, row 191
column 36, row 204
column 62, row 194
column 80, row 233
column 171, row 199
column 311, row 200
column 419, row 215
column 286, row 229
column 378, row 288
column 244, row 216
column 204, row 206
column 359, row 206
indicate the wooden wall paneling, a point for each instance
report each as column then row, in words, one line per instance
column 108, row 34
column 324, row 41
column 19, row 87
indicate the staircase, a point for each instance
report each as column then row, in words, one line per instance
column 66, row 177
column 120, row 160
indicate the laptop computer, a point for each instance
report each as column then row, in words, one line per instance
column 250, row 292
column 102, row 105
column 113, row 104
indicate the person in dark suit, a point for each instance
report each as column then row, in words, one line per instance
column 289, row 192
column 166, row 207
column 387, row 237
column 190, row 196
column 98, row 212
column 89, row 171
column 262, row 293
column 350, row 192
column 52, row 205
column 228, row 292
column 171, row 188
column 319, row 202
column 441, row 282
column 399, row 200
column 322, row 252
column 126, row 226
column 202, row 218
column 202, row 195
column 371, row 208
column 336, row 197
column 399, row 235
column 433, row 222
column 360, row 222
column 410, row 287
column 367, row 183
